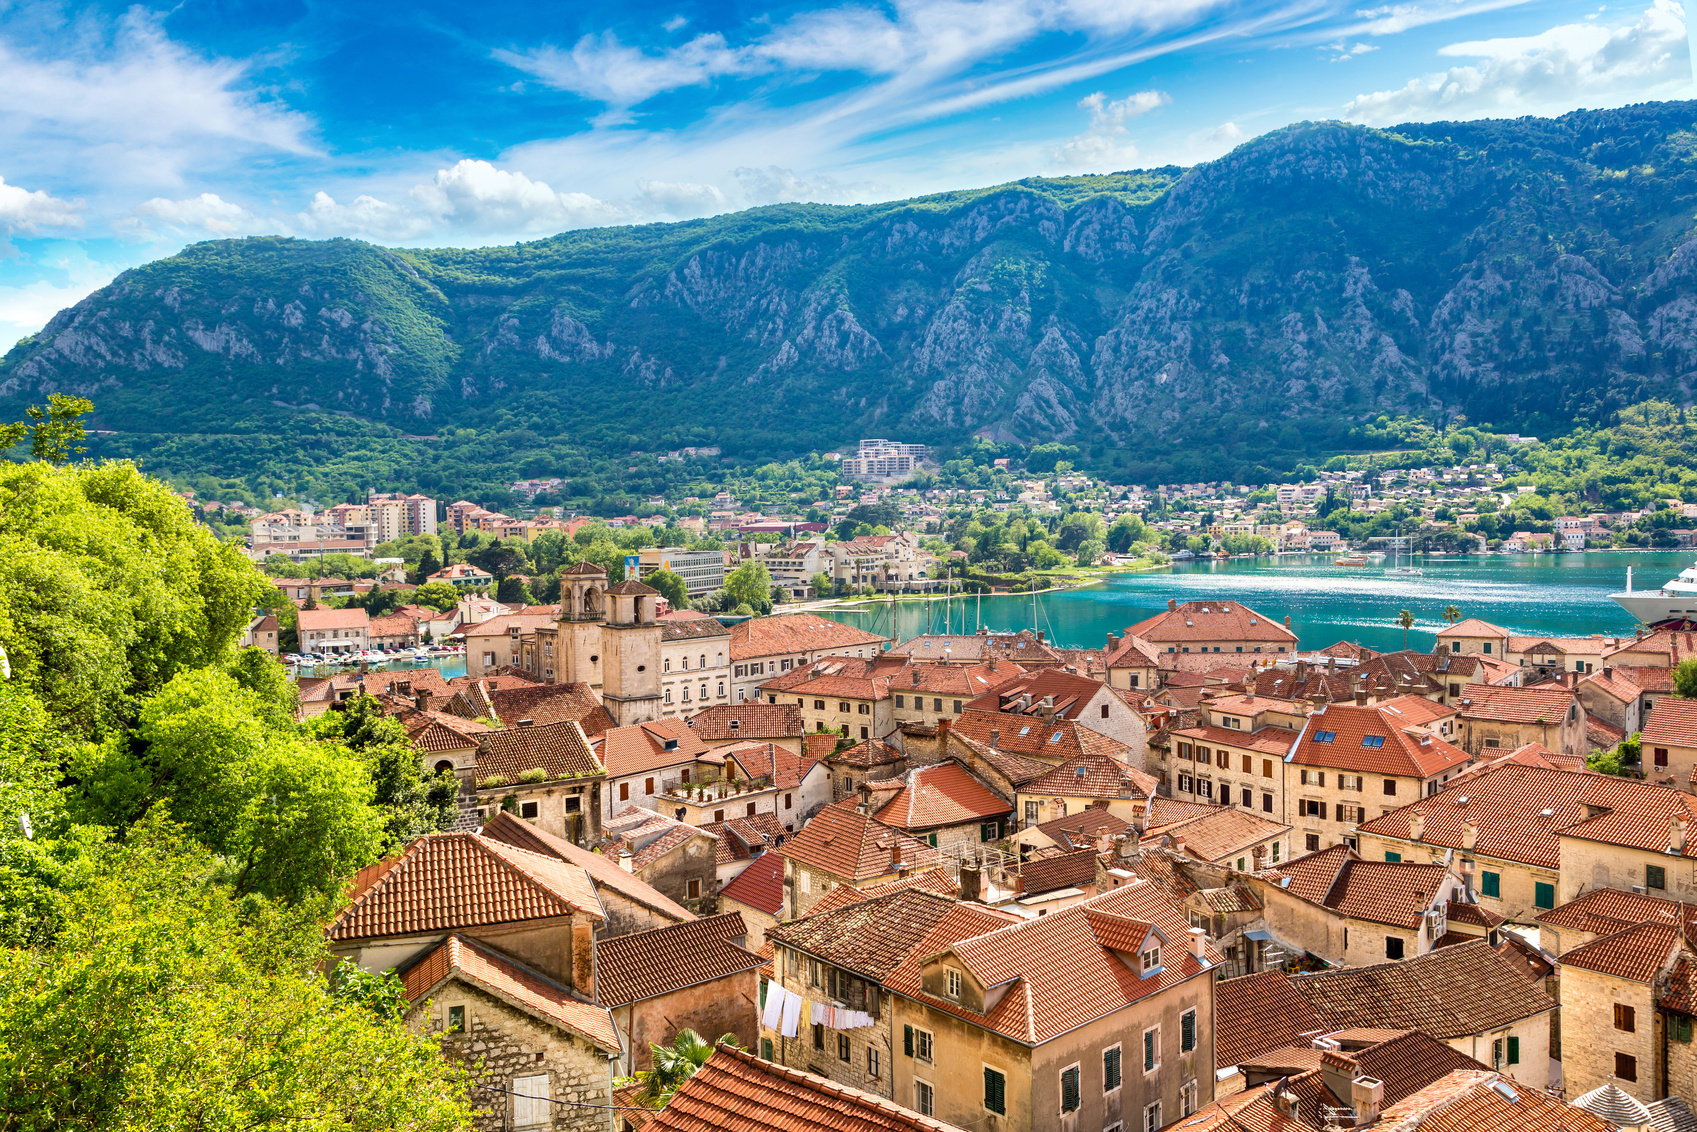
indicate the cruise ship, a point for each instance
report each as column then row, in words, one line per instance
column 1675, row 601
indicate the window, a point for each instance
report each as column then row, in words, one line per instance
column 695, row 889
column 1348, row 782
column 1110, row 1069
column 1392, row 857
column 899, row 702
column 1313, row 777
column 1187, row 1031
column 1679, row 1025
column 818, row 1036
column 958, row 707
column 1248, row 797
column 1311, row 842
column 1661, row 756
column 624, row 791
column 1069, row 1089
column 1151, row 1049
column 1390, row 787
column 529, row 809
column 1514, row 1050
column 872, row 1062
column 1626, row 1018
column 1393, row 947
column 1266, row 803
column 766, row 1048
column 1351, row 814
column 952, row 979
column 1655, row 876
column 648, row 786
column 1313, row 808
column 1151, row 959
column 530, row 1102
column 666, row 665
column 1325, row 736
column 1497, row 1054
column 1490, row 884
column 924, row 1098
column 789, row 801
column 1626, row 1067
column 842, row 706
column 843, row 1052
column 995, row 1090
column 936, row 705
column 1543, row 895
column 456, row 1019
column 922, row 1045
column 989, row 831
column 1104, row 711
column 1152, row 1117
column 1187, row 1098
column 818, row 705
column 1372, row 740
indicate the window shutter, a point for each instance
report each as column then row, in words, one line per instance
column 1148, row 1050
column 530, row 1102
column 995, row 1091
column 763, row 994
column 1187, row 1031
column 907, row 1040
column 1514, row 1051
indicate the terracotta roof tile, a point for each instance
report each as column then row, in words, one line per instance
column 931, row 880
column 869, row 937
column 1372, row 740
column 643, row 965
column 1069, row 693
column 1397, row 893
column 1053, row 741
column 691, row 629
column 643, row 747
column 1542, row 703
column 1275, row 741
column 1672, row 724
column 866, row 754
column 512, row 982
column 1639, row 953
column 1604, row 911
column 1211, row 621
column 850, row 845
column 561, row 750
column 605, row 874
column 1216, row 833
column 743, row 838
column 944, row 794
column 1468, row 1100
column 1258, row 1013
column 550, row 703
column 447, row 881
column 725, row 722
column 1067, row 870
column 1083, row 827
column 793, row 634
column 760, row 885
column 737, row 1092
column 1449, row 993
column 1095, row 776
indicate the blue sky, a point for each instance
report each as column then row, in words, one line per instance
column 127, row 132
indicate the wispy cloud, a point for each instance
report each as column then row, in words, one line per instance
column 1107, row 144
column 1587, row 64
column 25, row 210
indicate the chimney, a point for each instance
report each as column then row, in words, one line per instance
column 1416, row 825
column 627, row 860
column 1199, row 944
column 1366, row 1095
column 1608, row 672
column 1113, row 641
column 1172, row 606
column 992, row 664
column 1287, row 620
column 971, row 883
column 995, row 737
column 1259, row 853
column 916, row 677
column 1046, row 709
column 1125, row 845
column 421, row 700
column 1285, row 1101
column 1676, row 835
column 1469, row 834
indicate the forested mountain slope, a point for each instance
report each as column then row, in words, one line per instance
column 1221, row 320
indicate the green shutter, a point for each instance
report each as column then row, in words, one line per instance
column 1069, row 1090
column 766, row 1048
column 987, row 832
column 1514, row 1051
column 763, row 994
column 1148, row 1050
column 995, row 1091
column 931, row 839
column 1393, row 858
column 1110, row 1069
column 1544, row 895
column 907, row 1040
column 1187, row 1031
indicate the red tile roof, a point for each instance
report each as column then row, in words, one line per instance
column 737, row 1092
column 866, row 754
column 605, row 874
column 742, row 838
column 1639, row 953
column 1469, row 1100
column 561, row 750
column 512, row 983
column 550, row 703
column 1372, row 740
column 643, row 965
column 794, row 634
column 1211, row 621
column 1068, row 976
column 447, row 881
column 314, row 620
column 1215, row 833
column 1070, row 694
column 1258, row 1013
column 930, row 880
column 1076, row 869
column 760, row 885
column 1449, row 993
column 1397, row 893
column 941, row 795
column 1673, row 723
column 1054, row 741
column 872, row 937
column 643, row 747
column 1604, row 911
column 1541, row 703
column 726, row 722
column 848, row 844
column 1094, row 776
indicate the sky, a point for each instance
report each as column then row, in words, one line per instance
column 128, row 132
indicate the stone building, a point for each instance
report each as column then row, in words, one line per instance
column 1496, row 717
column 607, row 637
column 545, row 774
column 943, row 805
column 695, row 666
column 1038, row 697
column 677, row 859
column 1627, row 1005
column 842, row 846
column 694, row 975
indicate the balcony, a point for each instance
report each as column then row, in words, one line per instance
column 709, row 793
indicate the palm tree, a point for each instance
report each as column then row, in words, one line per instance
column 1452, row 614
column 1406, row 620
column 675, row 1064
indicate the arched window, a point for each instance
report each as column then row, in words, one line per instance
column 446, row 766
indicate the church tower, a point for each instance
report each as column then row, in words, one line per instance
column 583, row 606
column 630, row 682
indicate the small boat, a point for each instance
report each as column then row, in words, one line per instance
column 1398, row 568
column 1350, row 560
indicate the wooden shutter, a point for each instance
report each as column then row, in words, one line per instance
column 530, row 1102
column 1187, row 1031
column 907, row 1040
column 1069, row 1090
column 1148, row 1050
column 1514, row 1051
column 995, row 1091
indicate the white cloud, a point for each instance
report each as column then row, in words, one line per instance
column 681, row 200
column 773, row 184
column 205, row 215
column 1393, row 19
column 68, row 276
column 1575, row 65
column 23, row 210
column 1342, row 51
column 1107, row 144
column 137, row 108
column 603, row 69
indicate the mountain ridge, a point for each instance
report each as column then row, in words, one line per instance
column 1237, row 315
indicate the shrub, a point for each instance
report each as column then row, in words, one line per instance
column 493, row 781
column 534, row 774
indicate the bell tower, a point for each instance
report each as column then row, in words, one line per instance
column 583, row 606
column 630, row 688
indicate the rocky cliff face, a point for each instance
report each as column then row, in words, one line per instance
column 1311, row 278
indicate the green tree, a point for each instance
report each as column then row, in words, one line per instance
column 750, row 584
column 1452, row 614
column 428, row 564
column 821, row 584
column 671, row 588
column 1090, row 552
column 512, row 590
column 676, row 1063
column 1685, row 679
column 440, row 596
column 1126, row 531
column 378, row 601
column 412, row 803
column 55, row 433
column 1406, row 620
column 164, row 1003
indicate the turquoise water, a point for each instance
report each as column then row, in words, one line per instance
column 1553, row 594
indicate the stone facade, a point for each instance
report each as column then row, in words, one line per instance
column 727, row 1005
column 502, row 1045
column 1593, row 1041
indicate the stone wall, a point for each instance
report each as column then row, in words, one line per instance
column 1590, row 1039
column 723, row 1006
column 502, row 1043
column 691, row 861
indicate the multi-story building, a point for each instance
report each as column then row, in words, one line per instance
column 332, row 630
column 1197, row 634
column 884, row 459
column 695, row 665
column 405, row 514
column 702, row 571
column 1235, row 753
column 764, row 647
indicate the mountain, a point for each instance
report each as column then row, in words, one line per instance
column 1230, row 318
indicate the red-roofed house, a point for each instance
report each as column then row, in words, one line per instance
column 758, row 893
column 764, row 647
column 943, row 805
column 1669, row 743
column 1097, row 1015
column 1189, row 635
column 1613, row 1026
column 1056, row 693
column 1344, row 910
column 1497, row 716
column 842, row 846
column 326, row 630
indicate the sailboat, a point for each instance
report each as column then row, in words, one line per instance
column 1398, row 568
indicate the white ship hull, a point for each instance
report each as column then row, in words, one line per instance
column 1676, row 600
